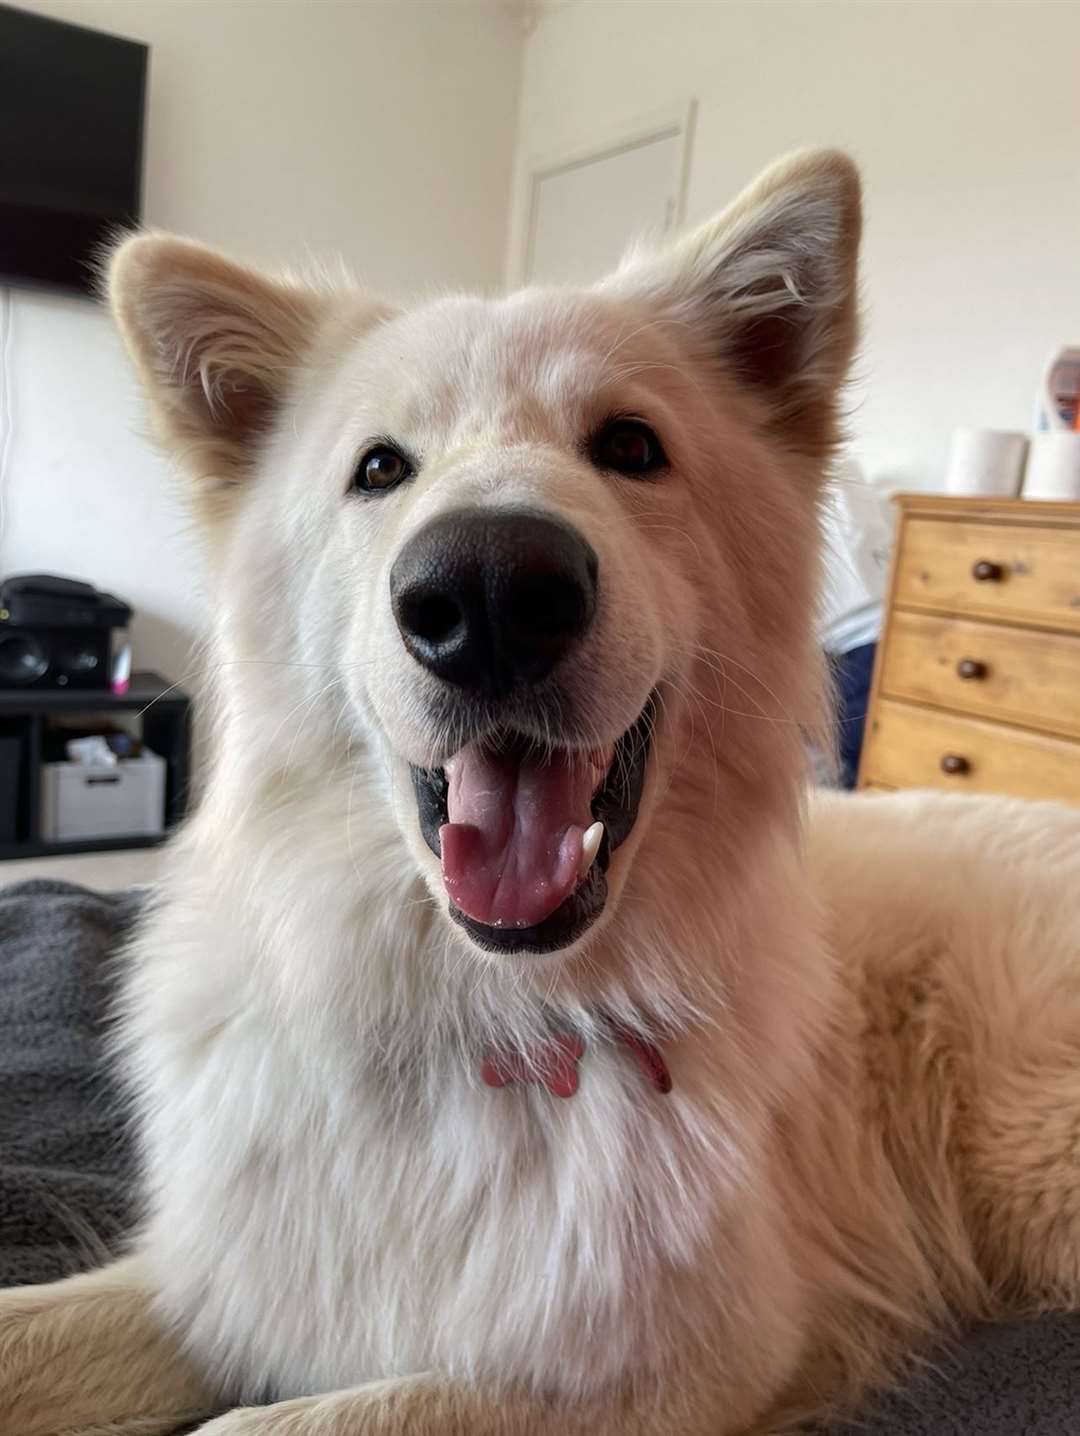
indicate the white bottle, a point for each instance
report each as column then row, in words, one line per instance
column 1057, row 405
column 1053, row 466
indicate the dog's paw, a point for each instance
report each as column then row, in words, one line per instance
column 410, row 1407
column 247, row 1421
column 286, row 1418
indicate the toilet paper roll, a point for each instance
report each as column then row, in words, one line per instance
column 989, row 462
column 1053, row 466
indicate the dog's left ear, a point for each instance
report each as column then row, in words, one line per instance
column 769, row 288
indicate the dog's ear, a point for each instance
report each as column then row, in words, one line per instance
column 769, row 286
column 217, row 347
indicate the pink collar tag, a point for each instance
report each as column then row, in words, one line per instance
column 554, row 1064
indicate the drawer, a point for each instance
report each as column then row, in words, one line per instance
column 1016, row 675
column 1020, row 572
column 906, row 747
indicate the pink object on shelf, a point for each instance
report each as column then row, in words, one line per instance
column 121, row 669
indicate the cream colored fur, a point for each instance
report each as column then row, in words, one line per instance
column 871, row 1017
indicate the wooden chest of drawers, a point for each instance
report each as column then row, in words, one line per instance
column 977, row 681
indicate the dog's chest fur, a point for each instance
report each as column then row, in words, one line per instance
column 328, row 1207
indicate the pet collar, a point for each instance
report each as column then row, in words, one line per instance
column 554, row 1064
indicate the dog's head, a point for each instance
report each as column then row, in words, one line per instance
column 529, row 552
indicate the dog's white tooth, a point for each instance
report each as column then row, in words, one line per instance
column 590, row 846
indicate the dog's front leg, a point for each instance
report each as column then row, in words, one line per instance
column 434, row 1406
column 87, row 1355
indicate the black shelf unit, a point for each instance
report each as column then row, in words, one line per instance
column 165, row 712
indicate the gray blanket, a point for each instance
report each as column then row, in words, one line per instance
column 66, row 1169
column 65, row 1157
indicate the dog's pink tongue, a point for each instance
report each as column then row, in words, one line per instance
column 512, row 848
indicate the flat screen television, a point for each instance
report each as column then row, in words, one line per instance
column 71, row 139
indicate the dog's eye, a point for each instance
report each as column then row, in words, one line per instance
column 629, row 447
column 381, row 468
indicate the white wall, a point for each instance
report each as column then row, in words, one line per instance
column 964, row 117
column 276, row 128
column 384, row 132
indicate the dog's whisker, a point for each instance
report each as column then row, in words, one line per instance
column 728, row 661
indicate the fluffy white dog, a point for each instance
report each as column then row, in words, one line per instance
column 510, row 1057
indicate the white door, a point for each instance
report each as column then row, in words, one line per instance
column 586, row 209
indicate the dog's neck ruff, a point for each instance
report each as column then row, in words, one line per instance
column 554, row 1063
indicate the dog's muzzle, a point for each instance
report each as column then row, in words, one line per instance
column 490, row 603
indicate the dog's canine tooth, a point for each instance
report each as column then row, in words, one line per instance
column 590, row 846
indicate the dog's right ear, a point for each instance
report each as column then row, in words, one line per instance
column 216, row 346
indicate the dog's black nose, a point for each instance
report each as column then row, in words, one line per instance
column 489, row 599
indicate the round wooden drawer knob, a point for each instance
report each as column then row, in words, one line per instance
column 955, row 765
column 986, row 572
column 971, row 668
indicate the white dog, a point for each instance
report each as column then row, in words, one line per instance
column 510, row 1059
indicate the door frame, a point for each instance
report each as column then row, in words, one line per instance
column 673, row 122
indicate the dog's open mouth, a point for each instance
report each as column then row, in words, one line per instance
column 525, row 836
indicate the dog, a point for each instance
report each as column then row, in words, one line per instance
column 514, row 1048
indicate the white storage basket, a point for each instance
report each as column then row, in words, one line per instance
column 83, row 801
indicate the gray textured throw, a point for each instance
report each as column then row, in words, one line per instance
column 65, row 1160
column 66, row 1169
